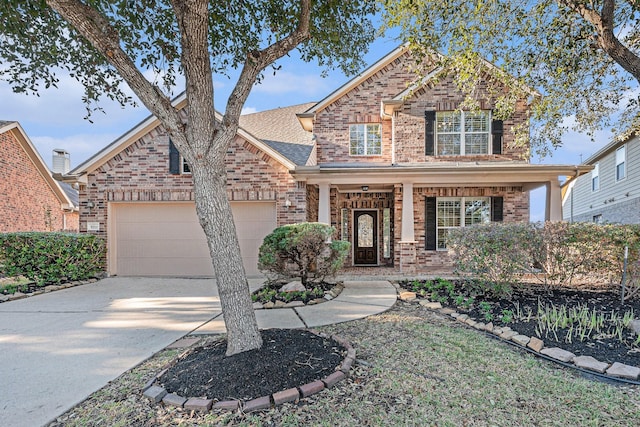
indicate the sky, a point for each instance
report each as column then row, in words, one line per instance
column 56, row 118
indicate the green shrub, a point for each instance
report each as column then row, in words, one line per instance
column 497, row 256
column 302, row 250
column 51, row 258
column 491, row 256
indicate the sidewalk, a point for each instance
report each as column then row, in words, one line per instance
column 358, row 299
column 60, row 347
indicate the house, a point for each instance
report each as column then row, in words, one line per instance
column 387, row 159
column 31, row 199
column 611, row 192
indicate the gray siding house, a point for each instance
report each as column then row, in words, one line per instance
column 610, row 193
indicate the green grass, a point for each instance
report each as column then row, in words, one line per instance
column 421, row 369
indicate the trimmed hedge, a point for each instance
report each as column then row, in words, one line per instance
column 301, row 250
column 51, row 258
column 499, row 256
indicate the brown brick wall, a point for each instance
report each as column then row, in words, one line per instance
column 141, row 173
column 27, row 202
column 516, row 209
column 362, row 105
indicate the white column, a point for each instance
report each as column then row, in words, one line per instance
column 553, row 211
column 408, row 232
column 324, row 209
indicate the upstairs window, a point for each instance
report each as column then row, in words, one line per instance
column 365, row 140
column 462, row 133
column 177, row 163
column 621, row 161
column 186, row 169
column 595, row 178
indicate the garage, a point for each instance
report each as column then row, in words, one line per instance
column 165, row 238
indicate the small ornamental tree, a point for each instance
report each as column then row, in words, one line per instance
column 302, row 250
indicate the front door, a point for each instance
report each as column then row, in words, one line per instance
column 365, row 238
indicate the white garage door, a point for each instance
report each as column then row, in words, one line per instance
column 165, row 239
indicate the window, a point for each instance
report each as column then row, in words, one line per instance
column 344, row 224
column 595, row 177
column 185, row 168
column 365, row 140
column 621, row 160
column 462, row 132
column 460, row 212
column 386, row 232
column 597, row 219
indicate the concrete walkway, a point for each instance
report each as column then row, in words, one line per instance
column 58, row 348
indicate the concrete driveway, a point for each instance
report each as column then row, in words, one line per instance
column 58, row 348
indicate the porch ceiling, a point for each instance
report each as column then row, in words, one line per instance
column 439, row 174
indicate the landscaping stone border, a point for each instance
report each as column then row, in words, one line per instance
column 157, row 394
column 328, row 296
column 45, row 289
column 613, row 371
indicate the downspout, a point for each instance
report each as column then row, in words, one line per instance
column 393, row 138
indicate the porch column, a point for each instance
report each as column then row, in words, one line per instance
column 553, row 211
column 408, row 233
column 407, row 238
column 324, row 208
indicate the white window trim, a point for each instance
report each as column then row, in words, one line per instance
column 462, row 215
column 623, row 161
column 463, row 134
column 184, row 163
column 595, row 174
column 366, row 145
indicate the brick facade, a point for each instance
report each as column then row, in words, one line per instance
column 403, row 143
column 141, row 173
column 362, row 105
column 28, row 202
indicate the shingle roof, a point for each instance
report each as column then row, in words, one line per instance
column 3, row 123
column 71, row 193
column 280, row 129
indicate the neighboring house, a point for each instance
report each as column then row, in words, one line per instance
column 611, row 192
column 388, row 161
column 30, row 198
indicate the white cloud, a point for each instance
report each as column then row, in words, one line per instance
column 285, row 82
column 249, row 110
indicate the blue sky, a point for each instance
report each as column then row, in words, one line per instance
column 55, row 119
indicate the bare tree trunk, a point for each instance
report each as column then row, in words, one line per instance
column 214, row 212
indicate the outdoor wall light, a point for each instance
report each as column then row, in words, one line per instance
column 365, row 188
column 90, row 204
column 287, row 203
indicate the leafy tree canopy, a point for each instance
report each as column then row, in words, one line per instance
column 36, row 42
column 581, row 55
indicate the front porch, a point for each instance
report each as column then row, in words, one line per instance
column 368, row 207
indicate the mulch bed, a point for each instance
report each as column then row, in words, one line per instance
column 288, row 358
column 603, row 347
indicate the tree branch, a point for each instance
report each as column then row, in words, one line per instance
column 257, row 61
column 96, row 29
column 604, row 24
column 193, row 23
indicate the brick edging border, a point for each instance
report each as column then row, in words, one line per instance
column 614, row 371
column 157, row 394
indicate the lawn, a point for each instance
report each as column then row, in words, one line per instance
column 417, row 368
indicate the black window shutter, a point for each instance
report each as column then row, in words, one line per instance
column 430, row 224
column 496, row 135
column 174, row 159
column 497, row 211
column 429, row 132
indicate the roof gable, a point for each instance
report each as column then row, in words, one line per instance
column 151, row 123
column 20, row 135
